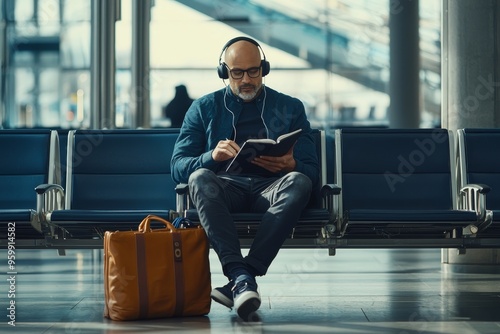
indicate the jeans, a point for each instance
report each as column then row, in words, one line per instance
column 280, row 199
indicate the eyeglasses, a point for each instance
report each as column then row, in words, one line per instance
column 253, row 72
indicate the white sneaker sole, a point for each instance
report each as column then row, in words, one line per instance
column 221, row 298
column 247, row 303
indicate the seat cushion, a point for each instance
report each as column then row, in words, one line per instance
column 452, row 217
column 308, row 215
column 16, row 215
column 68, row 218
column 309, row 226
column 416, row 224
column 22, row 219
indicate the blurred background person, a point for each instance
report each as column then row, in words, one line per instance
column 176, row 109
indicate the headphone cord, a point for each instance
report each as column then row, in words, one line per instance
column 261, row 112
column 232, row 113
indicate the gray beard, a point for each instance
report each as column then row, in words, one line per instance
column 249, row 96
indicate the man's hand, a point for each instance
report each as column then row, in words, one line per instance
column 285, row 163
column 225, row 149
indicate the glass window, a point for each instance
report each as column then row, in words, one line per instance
column 49, row 49
column 333, row 55
column 326, row 35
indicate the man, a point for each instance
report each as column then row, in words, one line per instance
column 215, row 127
column 176, row 109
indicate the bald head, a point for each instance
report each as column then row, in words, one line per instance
column 240, row 57
column 242, row 52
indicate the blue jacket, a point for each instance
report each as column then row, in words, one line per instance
column 209, row 120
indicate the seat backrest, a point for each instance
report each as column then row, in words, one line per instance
column 320, row 142
column 63, row 146
column 330, row 155
column 29, row 158
column 392, row 169
column 330, row 144
column 479, row 161
column 120, row 169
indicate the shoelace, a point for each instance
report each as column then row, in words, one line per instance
column 240, row 286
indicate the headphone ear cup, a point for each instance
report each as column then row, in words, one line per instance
column 222, row 71
column 266, row 67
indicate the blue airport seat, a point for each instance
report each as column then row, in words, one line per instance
column 397, row 184
column 29, row 158
column 479, row 176
column 63, row 147
column 315, row 218
column 330, row 143
column 330, row 155
column 115, row 178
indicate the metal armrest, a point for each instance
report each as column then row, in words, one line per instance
column 49, row 197
column 330, row 196
column 182, row 198
column 473, row 198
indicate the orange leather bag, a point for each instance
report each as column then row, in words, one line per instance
column 156, row 273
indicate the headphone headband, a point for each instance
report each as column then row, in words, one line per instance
column 222, row 69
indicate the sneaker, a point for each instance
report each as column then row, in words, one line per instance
column 224, row 294
column 245, row 296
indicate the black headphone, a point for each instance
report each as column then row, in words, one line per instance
column 222, row 68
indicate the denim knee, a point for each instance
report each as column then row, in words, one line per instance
column 204, row 182
column 300, row 183
column 200, row 174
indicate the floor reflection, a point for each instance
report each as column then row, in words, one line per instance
column 355, row 291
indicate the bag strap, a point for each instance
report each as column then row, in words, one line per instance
column 142, row 279
column 145, row 225
column 179, row 274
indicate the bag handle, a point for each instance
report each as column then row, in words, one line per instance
column 145, row 225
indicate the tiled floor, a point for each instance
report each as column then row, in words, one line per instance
column 305, row 291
